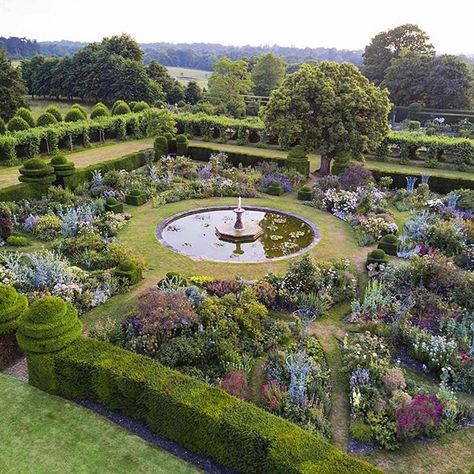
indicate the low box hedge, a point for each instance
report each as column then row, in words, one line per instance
column 135, row 199
column 198, row 416
column 275, row 189
column 17, row 192
column 112, row 205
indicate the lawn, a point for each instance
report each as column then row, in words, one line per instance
column 38, row 106
column 42, row 433
column 185, row 75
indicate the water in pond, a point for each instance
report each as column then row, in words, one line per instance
column 194, row 235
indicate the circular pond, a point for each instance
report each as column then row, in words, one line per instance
column 193, row 233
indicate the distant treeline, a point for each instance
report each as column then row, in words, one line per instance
column 195, row 55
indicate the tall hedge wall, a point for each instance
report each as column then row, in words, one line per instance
column 202, row 418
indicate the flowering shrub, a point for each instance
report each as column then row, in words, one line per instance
column 235, row 383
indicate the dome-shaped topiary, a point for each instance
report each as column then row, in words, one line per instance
column 48, row 325
column 74, row 115
column 46, row 119
column 62, row 167
column 58, row 159
column 390, row 244
column 3, row 127
column 131, row 104
column 26, row 115
column 116, row 104
column 36, row 171
column 121, row 109
column 54, row 111
column 181, row 145
column 16, row 124
column 112, row 205
column 140, row 106
column 298, row 159
column 12, row 304
column 377, row 256
column 81, row 109
column 100, row 110
column 129, row 271
column 160, row 145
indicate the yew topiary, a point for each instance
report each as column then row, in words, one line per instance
column 160, row 145
column 48, row 325
column 390, row 244
column 340, row 163
column 377, row 256
column 36, row 171
column 129, row 271
column 100, row 110
column 74, row 115
column 306, row 193
column 140, row 106
column 16, row 124
column 112, row 205
column 46, row 119
column 81, row 109
column 62, row 167
column 120, row 107
column 12, row 305
column 181, row 145
column 26, row 115
column 298, row 159
column 54, row 111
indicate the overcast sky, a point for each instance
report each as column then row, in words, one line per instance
column 347, row 24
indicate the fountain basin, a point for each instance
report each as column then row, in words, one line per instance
column 194, row 233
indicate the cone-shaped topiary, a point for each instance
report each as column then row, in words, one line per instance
column 120, row 108
column 112, row 205
column 340, row 163
column 390, row 244
column 81, row 109
column 62, row 167
column 46, row 119
column 181, row 145
column 160, row 145
column 298, row 159
column 74, row 115
column 16, row 124
column 377, row 256
column 48, row 325
column 130, row 271
column 54, row 111
column 139, row 106
column 100, row 110
column 26, row 115
column 36, row 171
column 306, row 193
column 12, row 304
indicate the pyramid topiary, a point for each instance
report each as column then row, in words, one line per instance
column 298, row 159
column 12, row 304
column 48, row 325
column 130, row 271
column 36, row 171
column 390, row 244
column 181, row 145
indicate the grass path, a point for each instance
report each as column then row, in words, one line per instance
column 44, row 434
column 85, row 157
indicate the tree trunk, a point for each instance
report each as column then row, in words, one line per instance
column 325, row 167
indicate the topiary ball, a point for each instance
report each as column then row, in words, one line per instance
column 17, row 124
column 48, row 325
column 12, row 305
column 120, row 108
column 46, row 119
column 140, row 106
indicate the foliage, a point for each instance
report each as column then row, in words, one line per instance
column 17, row 241
column 12, row 305
column 267, row 74
column 17, row 124
column 46, row 119
column 74, row 115
column 26, row 115
column 13, row 90
column 54, row 111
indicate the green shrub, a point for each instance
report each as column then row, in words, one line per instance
column 17, row 241
column 26, row 115
column 81, row 109
column 112, row 205
column 48, row 325
column 298, row 159
column 389, row 244
column 17, row 124
column 136, row 198
column 139, row 106
column 36, row 171
column 413, row 125
column 340, row 163
column 120, row 108
column 74, row 115
column 306, row 193
column 46, row 119
column 202, row 418
column 377, row 256
column 3, row 127
column 172, row 146
column 99, row 110
column 12, row 305
column 360, row 431
column 62, row 167
column 275, row 189
column 160, row 145
column 54, row 111
column 181, row 145
column 129, row 271
column 17, row 192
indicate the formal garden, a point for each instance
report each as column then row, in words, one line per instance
column 273, row 294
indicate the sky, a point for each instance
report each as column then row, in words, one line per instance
column 343, row 24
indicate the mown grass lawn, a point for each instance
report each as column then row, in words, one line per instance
column 44, row 434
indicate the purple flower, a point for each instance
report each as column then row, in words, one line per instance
column 30, row 223
column 205, row 173
column 269, row 179
column 133, row 326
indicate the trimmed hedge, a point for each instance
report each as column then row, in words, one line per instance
column 181, row 145
column 112, row 205
column 201, row 418
column 36, row 172
column 136, row 198
column 62, row 167
column 298, row 159
column 46, row 119
column 377, row 256
column 17, row 241
column 275, row 189
column 74, row 115
column 130, row 271
column 390, row 244
column 160, row 146
column 48, row 325
column 306, row 193
column 12, row 305
column 17, row 192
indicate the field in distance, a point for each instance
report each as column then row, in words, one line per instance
column 185, row 75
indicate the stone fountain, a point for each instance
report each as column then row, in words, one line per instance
column 238, row 231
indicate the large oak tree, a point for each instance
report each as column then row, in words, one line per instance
column 329, row 107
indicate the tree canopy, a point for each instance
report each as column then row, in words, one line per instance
column 329, row 107
column 389, row 44
column 12, row 88
column 267, row 74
